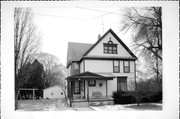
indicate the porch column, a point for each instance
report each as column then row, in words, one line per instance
column 84, row 90
column 33, row 94
column 106, row 89
column 88, row 91
column 72, row 92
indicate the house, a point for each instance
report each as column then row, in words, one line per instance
column 97, row 70
column 53, row 92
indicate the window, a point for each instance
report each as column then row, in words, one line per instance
column 116, row 67
column 126, row 67
column 110, row 48
column 92, row 83
column 76, row 65
column 76, row 87
column 105, row 49
column 115, row 50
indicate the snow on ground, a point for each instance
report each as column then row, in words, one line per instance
column 61, row 105
column 48, row 105
column 41, row 105
column 141, row 107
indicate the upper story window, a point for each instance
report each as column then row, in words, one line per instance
column 116, row 67
column 126, row 66
column 110, row 47
column 76, row 65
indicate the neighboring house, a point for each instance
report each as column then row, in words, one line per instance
column 97, row 70
column 53, row 92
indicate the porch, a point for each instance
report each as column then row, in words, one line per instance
column 90, row 102
column 88, row 89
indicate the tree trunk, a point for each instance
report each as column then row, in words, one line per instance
column 16, row 98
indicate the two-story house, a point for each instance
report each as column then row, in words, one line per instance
column 97, row 70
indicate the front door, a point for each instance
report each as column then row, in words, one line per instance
column 122, row 83
column 77, row 87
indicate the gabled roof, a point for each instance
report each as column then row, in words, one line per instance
column 120, row 41
column 76, row 51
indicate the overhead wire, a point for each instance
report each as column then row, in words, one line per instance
column 66, row 17
column 100, row 16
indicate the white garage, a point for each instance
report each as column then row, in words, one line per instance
column 53, row 92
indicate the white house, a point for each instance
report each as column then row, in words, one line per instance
column 97, row 70
column 53, row 92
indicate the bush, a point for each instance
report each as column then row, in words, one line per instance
column 120, row 97
column 156, row 97
column 152, row 97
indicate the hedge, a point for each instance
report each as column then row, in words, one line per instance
column 123, row 98
column 120, row 97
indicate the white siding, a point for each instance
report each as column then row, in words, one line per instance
column 69, row 70
column 112, row 86
column 121, row 67
column 98, row 50
column 132, row 70
column 81, row 67
column 107, row 66
column 97, row 88
column 99, row 65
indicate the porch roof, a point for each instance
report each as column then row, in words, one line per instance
column 91, row 76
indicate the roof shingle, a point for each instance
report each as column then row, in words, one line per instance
column 76, row 51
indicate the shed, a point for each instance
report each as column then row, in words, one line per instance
column 53, row 92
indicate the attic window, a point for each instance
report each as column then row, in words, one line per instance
column 110, row 48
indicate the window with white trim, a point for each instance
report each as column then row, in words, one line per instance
column 116, row 67
column 126, row 66
column 92, row 83
column 110, row 48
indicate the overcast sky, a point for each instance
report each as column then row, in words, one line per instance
column 59, row 26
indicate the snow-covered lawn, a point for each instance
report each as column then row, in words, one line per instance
column 42, row 105
column 60, row 105
column 141, row 107
column 48, row 105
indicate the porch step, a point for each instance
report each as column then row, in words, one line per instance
column 92, row 103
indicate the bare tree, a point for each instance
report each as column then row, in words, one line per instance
column 145, row 25
column 54, row 71
column 26, row 42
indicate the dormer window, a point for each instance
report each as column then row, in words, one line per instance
column 110, row 48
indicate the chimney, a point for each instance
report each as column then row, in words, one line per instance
column 99, row 36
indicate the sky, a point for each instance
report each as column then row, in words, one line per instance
column 58, row 26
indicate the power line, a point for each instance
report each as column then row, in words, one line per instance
column 65, row 17
column 99, row 10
